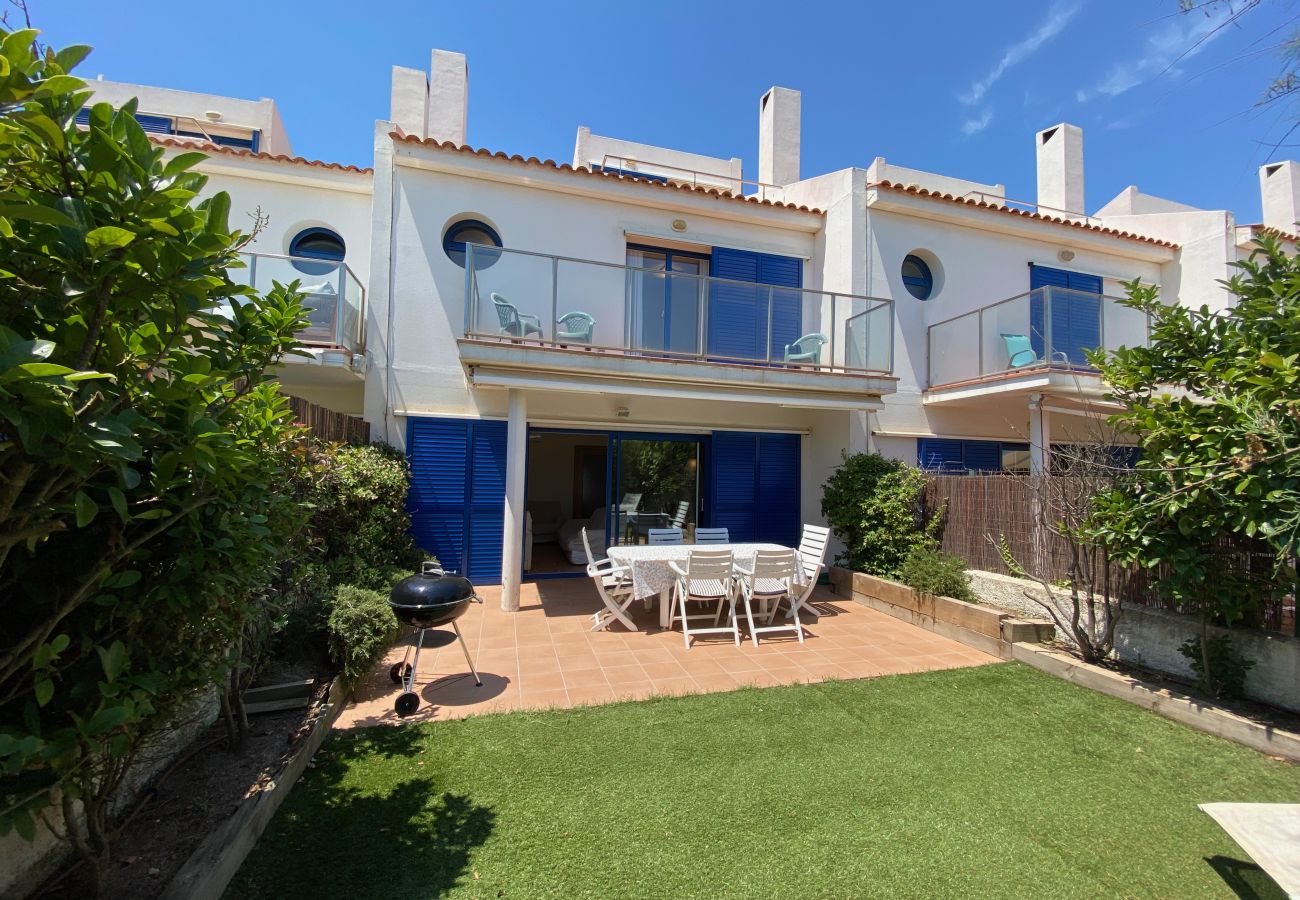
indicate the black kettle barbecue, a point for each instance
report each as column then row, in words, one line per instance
column 428, row 600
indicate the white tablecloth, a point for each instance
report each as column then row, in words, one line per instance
column 649, row 562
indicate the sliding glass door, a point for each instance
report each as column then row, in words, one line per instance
column 658, row 485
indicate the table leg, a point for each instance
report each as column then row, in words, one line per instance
column 665, row 608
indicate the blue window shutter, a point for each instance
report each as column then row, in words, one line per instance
column 83, row 116
column 733, row 308
column 777, row 510
column 155, row 124
column 438, row 450
column 487, row 499
column 457, row 497
column 1076, row 320
column 982, row 456
column 734, row 483
column 738, row 314
column 939, row 453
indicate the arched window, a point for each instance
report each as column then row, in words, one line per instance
column 471, row 231
column 917, row 277
column 317, row 243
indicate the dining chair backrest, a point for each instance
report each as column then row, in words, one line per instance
column 712, row 536
column 774, row 564
column 708, row 565
column 812, row 549
column 665, row 535
column 586, row 545
column 679, row 517
column 629, row 503
column 507, row 314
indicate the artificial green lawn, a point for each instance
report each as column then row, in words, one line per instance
column 997, row 781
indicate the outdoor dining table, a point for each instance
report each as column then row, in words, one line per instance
column 652, row 574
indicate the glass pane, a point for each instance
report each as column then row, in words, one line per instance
column 658, row 488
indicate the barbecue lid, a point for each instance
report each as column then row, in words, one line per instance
column 432, row 587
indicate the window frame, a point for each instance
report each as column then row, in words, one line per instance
column 925, row 282
column 451, row 246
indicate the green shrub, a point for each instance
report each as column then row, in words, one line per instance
column 874, row 506
column 933, row 572
column 361, row 627
column 1228, row 667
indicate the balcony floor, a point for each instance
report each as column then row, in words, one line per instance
column 545, row 655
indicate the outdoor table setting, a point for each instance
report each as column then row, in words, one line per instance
column 652, row 572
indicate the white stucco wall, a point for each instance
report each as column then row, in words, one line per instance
column 259, row 115
column 591, row 149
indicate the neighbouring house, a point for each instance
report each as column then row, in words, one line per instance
column 642, row 336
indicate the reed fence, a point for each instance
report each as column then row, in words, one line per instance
column 329, row 425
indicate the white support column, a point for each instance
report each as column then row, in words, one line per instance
column 513, row 536
column 1040, row 450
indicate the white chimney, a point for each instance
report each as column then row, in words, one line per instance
column 1060, row 168
column 448, row 96
column 409, row 104
column 778, row 136
column 1279, row 190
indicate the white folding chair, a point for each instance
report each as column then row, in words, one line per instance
column 707, row 578
column 614, row 584
column 712, row 536
column 664, row 536
column 679, row 517
column 812, row 558
column 770, row 581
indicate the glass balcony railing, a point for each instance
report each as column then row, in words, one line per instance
column 1047, row 328
column 558, row 301
column 333, row 296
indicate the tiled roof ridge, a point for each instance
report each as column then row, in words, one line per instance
column 1028, row 214
column 399, row 135
column 209, row 147
column 1269, row 229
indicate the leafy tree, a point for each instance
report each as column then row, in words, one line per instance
column 1216, row 399
column 141, row 444
column 875, row 507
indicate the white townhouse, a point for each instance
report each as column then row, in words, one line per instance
column 643, row 336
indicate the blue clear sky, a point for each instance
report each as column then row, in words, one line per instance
column 949, row 87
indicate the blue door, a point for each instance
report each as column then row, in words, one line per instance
column 458, row 491
column 754, row 486
column 1075, row 317
column 738, row 313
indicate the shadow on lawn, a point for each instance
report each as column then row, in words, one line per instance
column 1247, row 880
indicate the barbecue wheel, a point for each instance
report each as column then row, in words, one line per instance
column 399, row 671
column 407, row 703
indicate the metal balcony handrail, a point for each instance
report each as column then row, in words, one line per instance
column 356, row 341
column 1039, row 208
column 308, row 259
column 1022, row 296
column 713, row 177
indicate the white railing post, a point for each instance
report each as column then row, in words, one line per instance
column 770, row 289
column 555, row 297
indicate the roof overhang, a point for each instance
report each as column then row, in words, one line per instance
column 986, row 219
column 498, row 365
column 1086, row 386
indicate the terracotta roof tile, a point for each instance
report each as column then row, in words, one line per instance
column 209, row 147
column 1277, row 232
column 1028, row 214
column 399, row 135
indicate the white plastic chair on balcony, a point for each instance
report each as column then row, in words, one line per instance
column 664, row 536
column 708, row 578
column 679, row 517
column 812, row 559
column 770, row 581
column 712, row 536
column 614, row 584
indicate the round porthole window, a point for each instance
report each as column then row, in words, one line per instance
column 471, row 231
column 917, row 277
column 313, row 244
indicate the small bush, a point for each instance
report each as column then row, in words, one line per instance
column 874, row 506
column 930, row 571
column 361, row 626
column 1228, row 666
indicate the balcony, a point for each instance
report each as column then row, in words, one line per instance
column 1034, row 340
column 334, row 299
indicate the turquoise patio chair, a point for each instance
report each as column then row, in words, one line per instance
column 513, row 322
column 808, row 349
column 575, row 327
column 1020, row 351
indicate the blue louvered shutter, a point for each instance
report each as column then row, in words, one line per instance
column 486, row 502
column 457, row 496
column 83, row 116
column 939, row 453
column 737, row 327
column 734, row 483
column 155, row 124
column 1075, row 318
column 982, row 456
column 777, row 510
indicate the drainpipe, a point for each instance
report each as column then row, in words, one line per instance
column 512, row 541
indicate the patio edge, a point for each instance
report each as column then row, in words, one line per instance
column 1180, row 708
column 208, row 871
